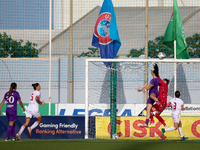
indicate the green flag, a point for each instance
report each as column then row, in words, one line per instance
column 175, row 31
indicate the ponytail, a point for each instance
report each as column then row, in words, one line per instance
column 156, row 70
column 12, row 86
column 35, row 85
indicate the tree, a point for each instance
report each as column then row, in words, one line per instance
column 93, row 52
column 194, row 45
column 135, row 53
column 155, row 46
column 13, row 48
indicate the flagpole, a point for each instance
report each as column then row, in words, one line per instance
column 175, row 66
column 50, row 23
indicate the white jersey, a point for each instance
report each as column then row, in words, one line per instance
column 176, row 104
column 33, row 104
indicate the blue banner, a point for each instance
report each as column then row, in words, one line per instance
column 52, row 127
column 105, row 35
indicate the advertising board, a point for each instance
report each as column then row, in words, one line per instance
column 52, row 127
column 122, row 110
column 129, row 128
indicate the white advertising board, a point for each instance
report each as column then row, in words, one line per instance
column 122, row 110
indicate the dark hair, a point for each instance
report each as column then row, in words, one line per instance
column 12, row 86
column 177, row 94
column 155, row 71
column 35, row 85
column 167, row 80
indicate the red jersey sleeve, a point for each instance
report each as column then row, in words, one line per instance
column 161, row 81
column 163, row 90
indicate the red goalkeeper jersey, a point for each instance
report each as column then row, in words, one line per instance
column 163, row 90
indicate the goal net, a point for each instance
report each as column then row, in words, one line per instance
column 131, row 74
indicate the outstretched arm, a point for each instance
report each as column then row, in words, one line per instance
column 146, row 88
column 161, row 81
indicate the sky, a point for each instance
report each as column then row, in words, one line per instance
column 24, row 14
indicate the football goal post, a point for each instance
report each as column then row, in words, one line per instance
column 108, row 89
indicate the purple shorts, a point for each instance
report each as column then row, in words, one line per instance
column 12, row 115
column 150, row 101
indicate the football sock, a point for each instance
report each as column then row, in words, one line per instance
column 9, row 130
column 180, row 131
column 160, row 119
column 21, row 130
column 170, row 129
column 151, row 117
column 34, row 125
column 13, row 131
column 147, row 121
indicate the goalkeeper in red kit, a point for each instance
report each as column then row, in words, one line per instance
column 162, row 97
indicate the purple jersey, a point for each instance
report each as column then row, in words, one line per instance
column 12, row 100
column 154, row 89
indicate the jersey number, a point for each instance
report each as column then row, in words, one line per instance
column 32, row 97
column 11, row 99
column 174, row 105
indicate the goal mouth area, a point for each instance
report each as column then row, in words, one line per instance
column 135, row 78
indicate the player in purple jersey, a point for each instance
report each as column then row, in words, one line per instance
column 11, row 97
column 153, row 93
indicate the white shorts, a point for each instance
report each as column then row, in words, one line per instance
column 34, row 114
column 176, row 118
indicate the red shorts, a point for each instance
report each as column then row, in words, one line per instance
column 163, row 106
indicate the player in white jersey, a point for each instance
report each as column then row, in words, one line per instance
column 177, row 105
column 32, row 110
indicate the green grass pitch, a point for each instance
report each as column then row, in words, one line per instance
column 99, row 144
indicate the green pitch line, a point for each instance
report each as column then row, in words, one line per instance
column 98, row 144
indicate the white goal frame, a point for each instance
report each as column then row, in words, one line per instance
column 126, row 60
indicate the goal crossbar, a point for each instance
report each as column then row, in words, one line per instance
column 145, row 60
